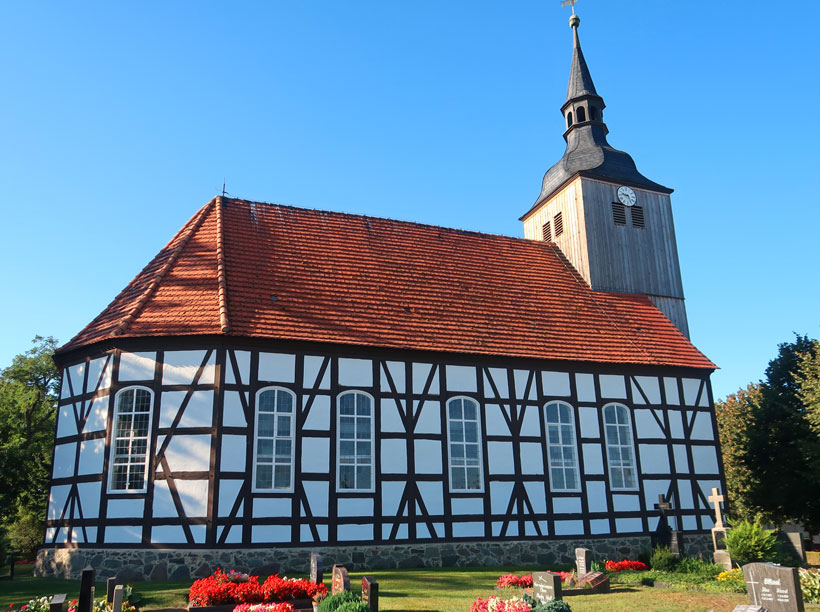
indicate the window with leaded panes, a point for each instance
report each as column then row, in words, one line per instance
column 132, row 434
column 273, row 445
column 561, row 447
column 620, row 451
column 464, row 439
column 355, row 442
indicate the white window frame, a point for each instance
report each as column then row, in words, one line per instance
column 562, row 444
column 113, row 451
column 631, row 446
column 450, row 466
column 292, row 437
column 372, row 487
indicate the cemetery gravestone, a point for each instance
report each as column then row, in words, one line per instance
column 793, row 544
column 340, row 581
column 117, row 595
column 109, row 589
column 57, row 603
column 86, row 602
column 664, row 535
column 582, row 559
column 316, row 570
column 370, row 593
column 774, row 587
column 723, row 559
column 719, row 530
column 598, row 582
column 546, row 586
column 749, row 608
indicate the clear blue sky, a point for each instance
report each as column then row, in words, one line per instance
column 120, row 119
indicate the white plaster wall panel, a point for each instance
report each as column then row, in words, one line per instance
column 317, row 496
column 651, row 388
column 670, row 385
column 89, row 498
column 686, row 500
column 569, row 527
column 62, row 536
column 646, row 425
column 596, row 496
column 626, row 503
column 92, row 534
column 65, row 392
column 391, row 497
column 64, row 460
column 702, row 427
column 77, row 375
column 566, row 505
column 675, row 423
column 462, row 378
column 130, row 508
column 169, row 407
column 234, row 534
column 654, row 458
column 532, row 459
column 355, row 506
column 200, row 410
column 500, row 458
column 707, row 522
column 180, row 368
column 422, row 532
column 653, row 523
column 421, row 372
column 612, row 386
column 356, row 373
column 228, row 490
column 704, row 460
column 123, row 534
column 706, row 488
column 522, row 377
column 316, row 455
column 319, row 415
column 270, row 533
column 396, row 370
column 590, row 427
column 529, row 529
column 428, row 457
column 691, row 386
column 306, row 533
column 467, row 505
column 280, row 367
column 354, row 533
column 312, row 367
column 430, row 418
column 391, row 419
column 401, row 533
column 168, row 534
column 189, row 453
column 56, row 500
column 500, row 496
column 99, row 373
column 593, row 459
column 97, row 414
column 243, row 365
column 495, row 383
column 66, row 423
column 512, row 529
column 468, row 530
column 599, row 526
column 651, row 490
column 92, row 454
column 531, row 424
column 267, row 507
column 494, row 415
column 555, row 384
column 681, row 459
column 704, row 398
column 628, row 525
column 137, row 366
column 233, row 415
column 585, row 384
column 232, row 455
column 163, row 502
column 432, row 494
column 690, row 523
column 77, row 535
column 394, row 456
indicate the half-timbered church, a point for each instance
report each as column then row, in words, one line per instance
column 279, row 380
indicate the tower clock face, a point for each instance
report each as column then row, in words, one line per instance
column 626, row 196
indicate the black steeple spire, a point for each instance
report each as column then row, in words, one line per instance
column 588, row 153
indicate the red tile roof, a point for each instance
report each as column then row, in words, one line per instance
column 254, row 270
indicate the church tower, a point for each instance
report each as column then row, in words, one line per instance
column 612, row 223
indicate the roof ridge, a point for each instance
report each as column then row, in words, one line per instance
column 135, row 310
column 221, row 274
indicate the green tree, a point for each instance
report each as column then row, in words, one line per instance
column 28, row 408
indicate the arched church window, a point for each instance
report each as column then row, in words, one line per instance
column 464, row 439
column 355, row 442
column 562, row 452
column 569, row 119
column 620, row 449
column 132, row 433
column 273, row 439
column 582, row 114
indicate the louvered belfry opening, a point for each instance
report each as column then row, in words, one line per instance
column 546, row 232
column 637, row 217
column 618, row 213
column 558, row 224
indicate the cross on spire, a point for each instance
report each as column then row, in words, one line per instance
column 716, row 498
column 569, row 3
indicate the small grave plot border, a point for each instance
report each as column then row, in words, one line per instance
column 298, row 604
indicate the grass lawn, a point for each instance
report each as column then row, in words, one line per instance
column 422, row 590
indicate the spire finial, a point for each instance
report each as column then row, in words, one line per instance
column 574, row 20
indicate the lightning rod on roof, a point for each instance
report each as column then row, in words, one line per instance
column 223, row 188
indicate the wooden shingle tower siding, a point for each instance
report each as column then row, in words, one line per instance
column 618, row 248
column 278, row 380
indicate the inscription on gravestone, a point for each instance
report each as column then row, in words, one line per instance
column 317, row 575
column 341, row 581
column 582, row 558
column 775, row 588
column 370, row 593
column 546, row 586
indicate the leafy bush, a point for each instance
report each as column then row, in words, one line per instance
column 25, row 533
column 698, row 567
column 553, row 606
column 353, row 606
column 663, row 559
column 334, row 602
column 748, row 542
column 733, row 577
column 810, row 585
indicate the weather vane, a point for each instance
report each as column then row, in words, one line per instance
column 569, row 3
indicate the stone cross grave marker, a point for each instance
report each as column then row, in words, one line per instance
column 546, row 586
column 57, row 603
column 719, row 530
column 341, row 581
column 317, row 575
column 110, row 584
column 774, row 587
column 116, row 598
column 664, row 535
column 370, row 593
column 86, row 602
column 582, row 559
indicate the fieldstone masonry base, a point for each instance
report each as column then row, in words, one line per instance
column 183, row 564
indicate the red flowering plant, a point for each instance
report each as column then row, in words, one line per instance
column 264, row 607
column 496, row 604
column 511, row 581
column 291, row 588
column 626, row 565
column 237, row 588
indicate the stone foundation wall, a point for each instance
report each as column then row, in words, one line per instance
column 184, row 564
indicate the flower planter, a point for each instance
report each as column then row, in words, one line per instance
column 298, row 604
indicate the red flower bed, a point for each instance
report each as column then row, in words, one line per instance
column 263, row 607
column 496, row 604
column 621, row 566
column 512, row 581
column 222, row 588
